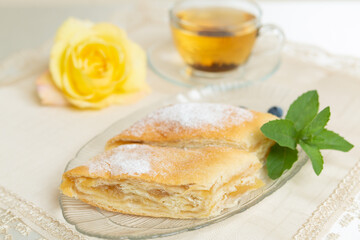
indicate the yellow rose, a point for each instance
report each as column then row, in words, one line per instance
column 95, row 65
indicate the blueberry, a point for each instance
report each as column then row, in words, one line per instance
column 277, row 111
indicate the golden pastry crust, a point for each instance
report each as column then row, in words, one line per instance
column 164, row 181
column 182, row 161
column 168, row 165
column 226, row 125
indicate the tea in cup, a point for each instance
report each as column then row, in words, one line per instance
column 216, row 36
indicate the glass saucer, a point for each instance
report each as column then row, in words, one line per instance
column 166, row 62
column 96, row 222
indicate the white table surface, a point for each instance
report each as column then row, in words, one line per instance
column 331, row 25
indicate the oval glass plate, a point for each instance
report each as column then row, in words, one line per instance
column 100, row 223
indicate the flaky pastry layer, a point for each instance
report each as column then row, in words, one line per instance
column 231, row 130
column 158, row 200
column 168, row 189
column 182, row 161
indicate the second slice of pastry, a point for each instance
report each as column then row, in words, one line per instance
column 198, row 125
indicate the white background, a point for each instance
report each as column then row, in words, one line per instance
column 332, row 25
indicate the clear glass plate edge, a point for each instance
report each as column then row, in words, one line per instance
column 191, row 95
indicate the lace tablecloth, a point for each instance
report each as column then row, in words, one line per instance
column 35, row 148
column 20, row 219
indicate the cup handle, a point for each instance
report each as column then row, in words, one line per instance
column 271, row 31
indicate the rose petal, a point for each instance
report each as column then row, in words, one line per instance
column 48, row 93
column 124, row 98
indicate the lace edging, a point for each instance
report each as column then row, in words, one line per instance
column 37, row 216
column 319, row 56
column 339, row 198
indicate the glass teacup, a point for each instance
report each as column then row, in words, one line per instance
column 217, row 36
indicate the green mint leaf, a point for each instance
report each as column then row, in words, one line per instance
column 303, row 109
column 281, row 131
column 305, row 126
column 315, row 156
column 327, row 139
column 317, row 124
column 279, row 159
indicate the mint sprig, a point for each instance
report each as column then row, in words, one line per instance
column 303, row 126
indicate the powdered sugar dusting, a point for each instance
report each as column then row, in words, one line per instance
column 182, row 116
column 129, row 159
column 138, row 159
